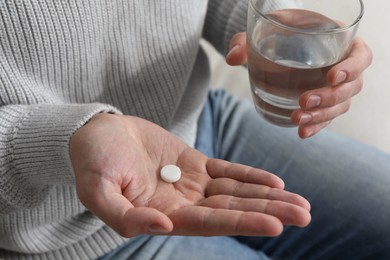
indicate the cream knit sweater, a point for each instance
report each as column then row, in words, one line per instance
column 63, row 61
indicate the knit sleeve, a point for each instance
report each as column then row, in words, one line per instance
column 34, row 149
column 224, row 19
column 228, row 17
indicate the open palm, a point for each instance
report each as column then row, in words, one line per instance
column 117, row 160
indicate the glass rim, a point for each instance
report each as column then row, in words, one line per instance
column 308, row 31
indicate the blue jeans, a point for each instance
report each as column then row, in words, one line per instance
column 347, row 184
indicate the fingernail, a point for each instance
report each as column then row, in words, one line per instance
column 233, row 50
column 305, row 118
column 313, row 101
column 309, row 132
column 341, row 77
column 155, row 228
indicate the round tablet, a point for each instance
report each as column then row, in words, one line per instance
column 170, row 173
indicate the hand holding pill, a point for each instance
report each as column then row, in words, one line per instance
column 121, row 178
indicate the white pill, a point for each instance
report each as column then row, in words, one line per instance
column 170, row 173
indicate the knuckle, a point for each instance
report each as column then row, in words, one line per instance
column 325, row 115
column 328, row 115
column 125, row 232
column 354, row 74
column 369, row 53
column 347, row 106
column 360, row 84
column 333, row 98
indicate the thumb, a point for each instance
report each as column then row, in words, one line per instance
column 237, row 50
column 145, row 220
column 119, row 213
column 351, row 68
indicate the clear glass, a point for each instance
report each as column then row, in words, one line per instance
column 291, row 47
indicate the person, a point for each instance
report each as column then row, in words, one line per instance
column 96, row 96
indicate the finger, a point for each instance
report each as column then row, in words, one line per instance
column 117, row 212
column 129, row 221
column 287, row 213
column 144, row 220
column 307, row 131
column 204, row 221
column 320, row 115
column 237, row 50
column 330, row 96
column 223, row 169
column 244, row 190
column 352, row 67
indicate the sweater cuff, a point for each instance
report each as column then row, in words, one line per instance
column 228, row 17
column 41, row 141
column 224, row 19
column 236, row 23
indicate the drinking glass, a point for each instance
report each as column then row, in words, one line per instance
column 291, row 47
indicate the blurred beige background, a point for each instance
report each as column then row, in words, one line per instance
column 369, row 117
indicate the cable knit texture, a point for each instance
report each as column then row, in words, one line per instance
column 63, row 61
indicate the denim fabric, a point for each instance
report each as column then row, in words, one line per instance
column 346, row 182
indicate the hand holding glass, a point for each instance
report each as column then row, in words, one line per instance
column 291, row 48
